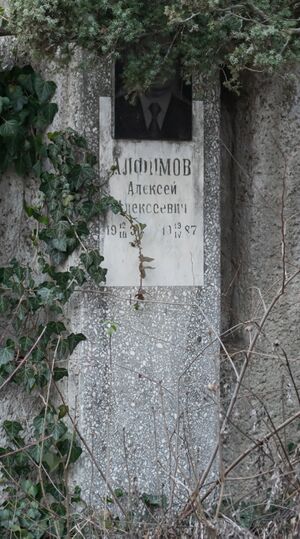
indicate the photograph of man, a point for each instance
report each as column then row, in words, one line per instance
column 164, row 112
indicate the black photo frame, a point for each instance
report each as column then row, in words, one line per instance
column 162, row 113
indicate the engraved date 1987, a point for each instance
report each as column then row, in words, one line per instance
column 179, row 230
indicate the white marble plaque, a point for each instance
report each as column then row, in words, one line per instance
column 160, row 184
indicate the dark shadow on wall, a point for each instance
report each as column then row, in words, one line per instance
column 229, row 265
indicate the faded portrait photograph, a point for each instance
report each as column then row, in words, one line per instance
column 164, row 112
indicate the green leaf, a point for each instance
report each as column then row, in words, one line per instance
column 76, row 495
column 119, row 492
column 55, row 328
column 69, row 448
column 10, row 128
column 23, row 163
column 26, row 81
column 35, row 213
column 111, row 203
column 291, row 446
column 58, row 508
column 152, row 500
column 61, row 244
column 47, row 294
column 39, row 424
column 4, row 103
column 62, row 232
column 29, row 487
column 35, row 452
column 59, row 430
column 81, row 174
column 78, row 274
column 76, row 452
column 4, row 304
column 51, row 460
column 25, row 344
column 7, row 354
column 63, row 411
column 59, row 373
column 45, row 90
column 74, row 339
column 82, row 229
column 45, row 115
column 91, row 261
column 12, row 429
column 17, row 97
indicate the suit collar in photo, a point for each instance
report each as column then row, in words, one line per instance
column 163, row 101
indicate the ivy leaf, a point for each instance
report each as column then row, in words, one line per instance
column 62, row 231
column 152, row 500
column 4, row 103
column 81, row 174
column 74, row 339
column 76, row 451
column 63, row 410
column 7, row 354
column 25, row 344
column 47, row 294
column 59, row 509
column 35, row 213
column 10, row 128
column 60, row 244
column 39, row 424
column 69, row 447
column 17, row 98
column 12, row 429
column 59, row 373
column 30, row 488
column 55, row 328
column 59, row 430
column 119, row 492
column 78, row 274
column 26, row 81
column 45, row 115
column 45, row 90
column 82, row 229
column 76, row 495
column 91, row 261
column 111, row 203
column 52, row 460
column 4, row 304
column 35, row 452
column 28, row 378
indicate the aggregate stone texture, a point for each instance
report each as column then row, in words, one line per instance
column 147, row 396
column 260, row 246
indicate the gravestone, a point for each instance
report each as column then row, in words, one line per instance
column 159, row 184
column 146, row 395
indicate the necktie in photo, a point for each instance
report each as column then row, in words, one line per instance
column 154, row 129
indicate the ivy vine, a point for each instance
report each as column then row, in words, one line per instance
column 35, row 343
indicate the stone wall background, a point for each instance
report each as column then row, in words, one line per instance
column 260, row 138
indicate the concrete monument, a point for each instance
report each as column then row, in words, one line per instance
column 148, row 392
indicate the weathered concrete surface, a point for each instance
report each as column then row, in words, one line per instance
column 260, row 233
column 147, row 395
